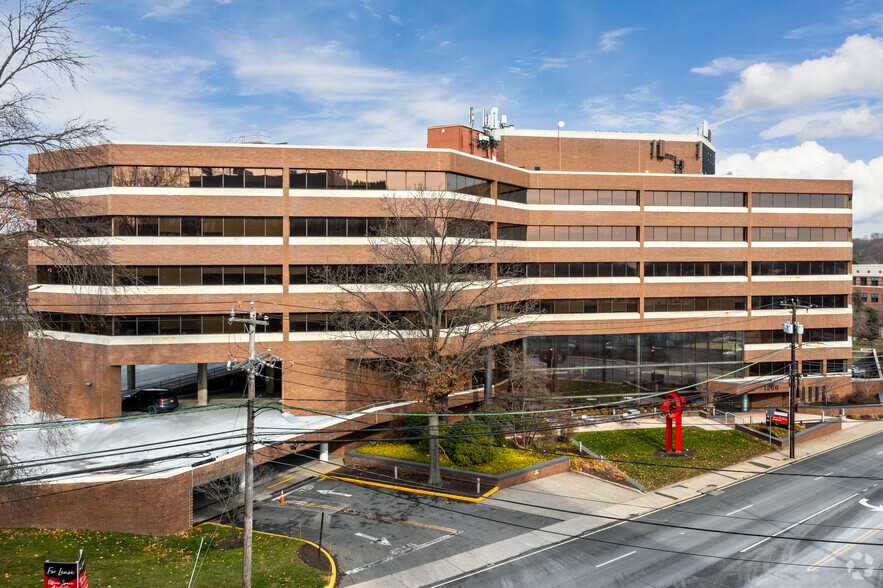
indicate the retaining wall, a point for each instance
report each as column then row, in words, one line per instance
column 813, row 432
column 513, row 478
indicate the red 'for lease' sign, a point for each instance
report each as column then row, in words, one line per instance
column 780, row 417
column 65, row 574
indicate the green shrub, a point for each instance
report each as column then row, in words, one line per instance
column 497, row 419
column 469, row 442
column 415, row 426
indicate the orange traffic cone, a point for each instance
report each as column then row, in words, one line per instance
column 282, row 496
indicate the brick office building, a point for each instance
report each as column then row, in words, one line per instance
column 867, row 282
column 651, row 271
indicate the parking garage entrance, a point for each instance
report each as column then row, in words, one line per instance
column 203, row 384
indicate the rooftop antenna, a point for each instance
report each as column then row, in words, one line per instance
column 472, row 117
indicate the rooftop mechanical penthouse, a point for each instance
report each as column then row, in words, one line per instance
column 647, row 271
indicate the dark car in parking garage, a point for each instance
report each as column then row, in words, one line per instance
column 151, row 400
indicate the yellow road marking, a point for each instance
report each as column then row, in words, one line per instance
column 413, row 490
column 843, row 549
column 282, row 482
column 370, row 515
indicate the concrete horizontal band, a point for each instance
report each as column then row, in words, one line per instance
column 795, row 244
column 844, row 278
column 142, row 241
column 778, row 346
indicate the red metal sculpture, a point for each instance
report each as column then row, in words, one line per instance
column 673, row 407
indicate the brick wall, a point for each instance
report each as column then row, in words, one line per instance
column 147, row 506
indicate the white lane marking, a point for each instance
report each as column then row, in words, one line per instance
column 798, row 523
column 333, row 493
column 826, row 475
column 864, row 502
column 616, row 558
column 528, row 554
column 738, row 510
column 383, row 541
column 398, row 552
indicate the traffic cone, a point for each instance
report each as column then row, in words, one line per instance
column 282, row 496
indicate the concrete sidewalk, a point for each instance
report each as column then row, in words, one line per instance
column 573, row 492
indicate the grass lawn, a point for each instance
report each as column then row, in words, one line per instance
column 508, row 459
column 118, row 559
column 714, row 449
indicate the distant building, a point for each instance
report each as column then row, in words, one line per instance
column 867, row 282
column 652, row 272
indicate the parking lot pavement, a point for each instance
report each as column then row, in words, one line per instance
column 374, row 532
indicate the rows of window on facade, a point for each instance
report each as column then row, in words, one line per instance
column 873, row 297
column 684, row 355
column 217, row 275
column 323, row 321
column 397, row 180
column 318, row 226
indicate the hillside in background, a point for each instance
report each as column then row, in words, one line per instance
column 868, row 249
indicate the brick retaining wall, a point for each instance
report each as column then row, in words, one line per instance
column 513, row 478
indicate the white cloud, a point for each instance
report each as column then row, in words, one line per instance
column 720, row 66
column 349, row 100
column 811, row 160
column 552, row 63
column 322, row 73
column 851, row 122
column 395, row 19
column 643, row 93
column 611, row 40
column 370, row 9
column 854, row 69
column 351, row 14
column 122, row 31
column 165, row 8
column 148, row 98
column 606, row 113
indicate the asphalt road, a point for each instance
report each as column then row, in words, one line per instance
column 373, row 532
column 771, row 530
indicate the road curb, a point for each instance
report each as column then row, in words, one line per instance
column 331, row 583
column 411, row 490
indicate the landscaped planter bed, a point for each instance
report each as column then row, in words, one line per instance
column 459, row 481
column 812, row 431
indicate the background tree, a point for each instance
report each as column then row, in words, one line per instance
column 868, row 249
column 229, row 493
column 528, row 390
column 865, row 322
column 432, row 302
column 38, row 49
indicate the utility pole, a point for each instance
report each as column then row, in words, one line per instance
column 252, row 365
column 793, row 328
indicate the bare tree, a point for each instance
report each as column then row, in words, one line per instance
column 865, row 323
column 229, row 492
column 432, row 302
column 37, row 43
column 528, row 391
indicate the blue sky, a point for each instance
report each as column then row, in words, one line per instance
column 790, row 88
